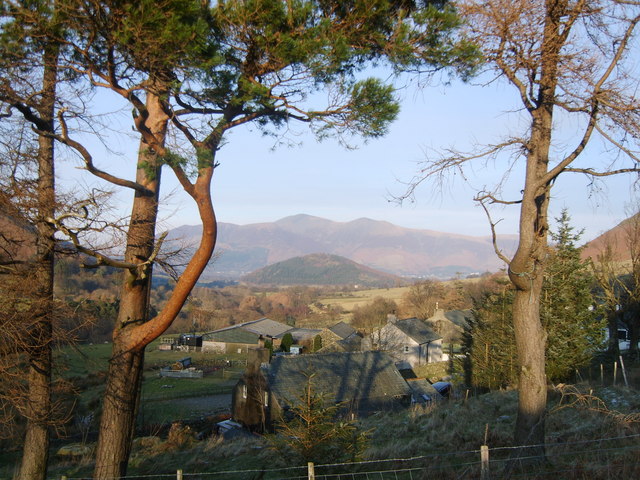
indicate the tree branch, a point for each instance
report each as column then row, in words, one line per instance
column 494, row 235
column 88, row 159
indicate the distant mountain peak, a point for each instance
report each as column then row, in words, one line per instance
column 377, row 244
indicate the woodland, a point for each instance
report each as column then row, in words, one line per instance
column 190, row 72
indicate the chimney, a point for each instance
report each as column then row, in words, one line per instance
column 257, row 355
column 391, row 318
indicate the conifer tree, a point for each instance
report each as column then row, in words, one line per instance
column 575, row 327
column 568, row 312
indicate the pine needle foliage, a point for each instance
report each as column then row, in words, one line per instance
column 574, row 326
column 312, row 431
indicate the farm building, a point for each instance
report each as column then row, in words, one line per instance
column 239, row 338
column 361, row 382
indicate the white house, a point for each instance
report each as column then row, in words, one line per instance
column 409, row 341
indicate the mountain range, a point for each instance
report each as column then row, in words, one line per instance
column 376, row 244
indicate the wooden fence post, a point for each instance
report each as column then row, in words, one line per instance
column 624, row 372
column 311, row 471
column 484, row 462
column 179, row 475
column 615, row 372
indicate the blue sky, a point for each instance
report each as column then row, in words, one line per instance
column 258, row 183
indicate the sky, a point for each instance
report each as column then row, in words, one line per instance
column 260, row 181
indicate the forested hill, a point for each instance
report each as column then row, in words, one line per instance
column 321, row 269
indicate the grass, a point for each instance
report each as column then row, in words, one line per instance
column 163, row 400
column 440, row 441
column 348, row 301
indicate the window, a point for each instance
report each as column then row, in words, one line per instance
column 244, row 391
column 406, row 349
column 266, row 399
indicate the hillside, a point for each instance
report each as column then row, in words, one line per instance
column 376, row 244
column 321, row 269
column 617, row 239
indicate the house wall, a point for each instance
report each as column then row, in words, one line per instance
column 399, row 345
column 217, row 347
column 435, row 351
column 328, row 337
column 222, row 347
column 251, row 403
column 403, row 348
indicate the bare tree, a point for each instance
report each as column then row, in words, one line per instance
column 422, row 299
column 568, row 60
column 29, row 86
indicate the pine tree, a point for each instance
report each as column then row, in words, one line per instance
column 574, row 329
column 314, row 432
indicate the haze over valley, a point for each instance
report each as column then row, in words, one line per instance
column 376, row 244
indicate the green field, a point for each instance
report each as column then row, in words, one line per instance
column 163, row 399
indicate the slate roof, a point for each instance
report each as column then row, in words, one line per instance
column 423, row 391
column 343, row 330
column 341, row 377
column 232, row 335
column 417, row 330
column 459, row 317
column 266, row 327
column 301, row 334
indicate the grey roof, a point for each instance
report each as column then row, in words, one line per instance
column 266, row 327
column 341, row 377
column 421, row 387
column 263, row 326
column 343, row 330
column 232, row 335
column 301, row 334
column 459, row 317
column 417, row 330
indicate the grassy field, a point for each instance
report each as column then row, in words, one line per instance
column 349, row 300
column 163, row 399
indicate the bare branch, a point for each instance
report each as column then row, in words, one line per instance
column 88, row 159
column 494, row 236
column 453, row 160
column 606, row 173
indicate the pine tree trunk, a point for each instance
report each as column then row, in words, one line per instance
column 38, row 409
column 120, row 402
column 532, row 383
column 119, row 409
column 526, row 269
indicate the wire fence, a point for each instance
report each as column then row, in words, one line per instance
column 605, row 458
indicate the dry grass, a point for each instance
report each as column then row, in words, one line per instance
column 442, row 440
column 357, row 298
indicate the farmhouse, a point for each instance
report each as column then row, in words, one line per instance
column 360, row 382
column 410, row 342
column 450, row 324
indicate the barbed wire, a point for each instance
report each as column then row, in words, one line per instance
column 363, row 469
